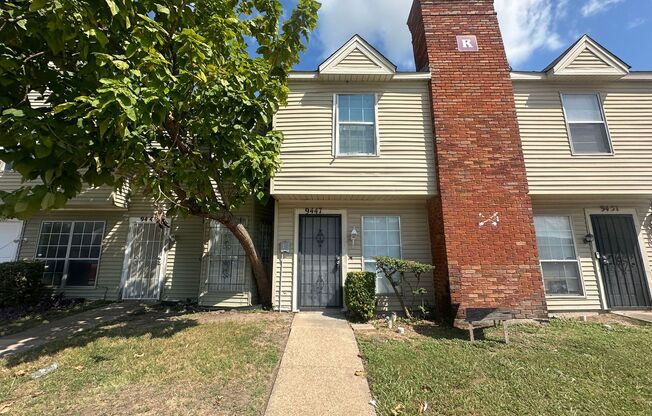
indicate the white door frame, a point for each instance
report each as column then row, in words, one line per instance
column 641, row 243
column 19, row 237
column 127, row 258
column 295, row 253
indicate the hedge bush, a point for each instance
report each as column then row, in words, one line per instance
column 21, row 283
column 360, row 294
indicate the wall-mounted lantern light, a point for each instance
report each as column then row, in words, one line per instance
column 354, row 235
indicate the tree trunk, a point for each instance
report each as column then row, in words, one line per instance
column 262, row 280
column 401, row 301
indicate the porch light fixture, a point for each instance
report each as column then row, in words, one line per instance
column 588, row 239
column 354, row 235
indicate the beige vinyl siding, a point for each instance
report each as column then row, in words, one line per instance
column 405, row 165
column 100, row 198
column 576, row 208
column 588, row 60
column 552, row 169
column 111, row 257
column 356, row 60
column 415, row 241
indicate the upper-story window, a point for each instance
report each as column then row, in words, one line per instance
column 6, row 167
column 355, row 132
column 586, row 124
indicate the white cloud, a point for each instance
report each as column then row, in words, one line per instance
column 527, row 25
column 593, row 7
column 634, row 23
column 383, row 23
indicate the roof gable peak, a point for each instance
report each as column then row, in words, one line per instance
column 586, row 57
column 357, row 56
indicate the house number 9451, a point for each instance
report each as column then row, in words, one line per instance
column 313, row 211
column 609, row 208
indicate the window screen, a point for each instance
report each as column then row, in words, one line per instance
column 588, row 130
column 356, row 124
column 559, row 263
column 381, row 237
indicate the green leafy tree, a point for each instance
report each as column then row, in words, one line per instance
column 160, row 96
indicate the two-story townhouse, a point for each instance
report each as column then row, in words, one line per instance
column 526, row 190
column 358, row 169
column 586, row 130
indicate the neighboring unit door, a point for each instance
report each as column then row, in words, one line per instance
column 144, row 260
column 10, row 236
column 320, row 261
column 621, row 262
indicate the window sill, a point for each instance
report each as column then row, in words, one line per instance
column 566, row 297
column 338, row 156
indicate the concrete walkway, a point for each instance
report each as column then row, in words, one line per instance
column 317, row 372
column 644, row 316
column 61, row 328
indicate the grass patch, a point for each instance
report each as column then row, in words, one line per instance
column 564, row 368
column 30, row 320
column 154, row 364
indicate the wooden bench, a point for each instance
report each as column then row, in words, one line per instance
column 483, row 315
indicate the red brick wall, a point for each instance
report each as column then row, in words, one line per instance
column 479, row 164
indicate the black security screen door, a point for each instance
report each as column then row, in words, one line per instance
column 320, row 258
column 621, row 263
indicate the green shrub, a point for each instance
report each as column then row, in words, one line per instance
column 360, row 292
column 21, row 283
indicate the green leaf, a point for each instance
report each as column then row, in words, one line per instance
column 38, row 5
column 22, row 23
column 162, row 9
column 112, row 7
column 13, row 112
column 62, row 107
column 21, row 206
column 48, row 200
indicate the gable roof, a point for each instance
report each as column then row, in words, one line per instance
column 357, row 56
column 587, row 57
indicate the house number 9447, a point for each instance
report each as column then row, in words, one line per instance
column 313, row 211
column 609, row 208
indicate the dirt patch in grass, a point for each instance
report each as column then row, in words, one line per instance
column 154, row 363
column 565, row 367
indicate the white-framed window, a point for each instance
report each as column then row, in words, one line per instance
column 381, row 236
column 355, row 125
column 227, row 261
column 6, row 167
column 587, row 127
column 559, row 263
column 71, row 251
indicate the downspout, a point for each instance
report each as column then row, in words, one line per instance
column 280, row 281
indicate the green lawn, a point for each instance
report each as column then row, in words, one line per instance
column 8, row 327
column 564, row 368
column 152, row 364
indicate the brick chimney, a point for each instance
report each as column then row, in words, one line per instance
column 481, row 225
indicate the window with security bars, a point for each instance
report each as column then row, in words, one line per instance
column 71, row 252
column 227, row 261
column 356, row 124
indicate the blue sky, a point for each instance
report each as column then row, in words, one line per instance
column 535, row 31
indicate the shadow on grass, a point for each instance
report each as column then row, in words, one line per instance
column 154, row 324
column 443, row 331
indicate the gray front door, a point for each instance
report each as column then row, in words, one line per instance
column 621, row 263
column 320, row 258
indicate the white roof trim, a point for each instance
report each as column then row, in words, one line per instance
column 401, row 76
column 541, row 76
column 383, row 65
column 562, row 66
